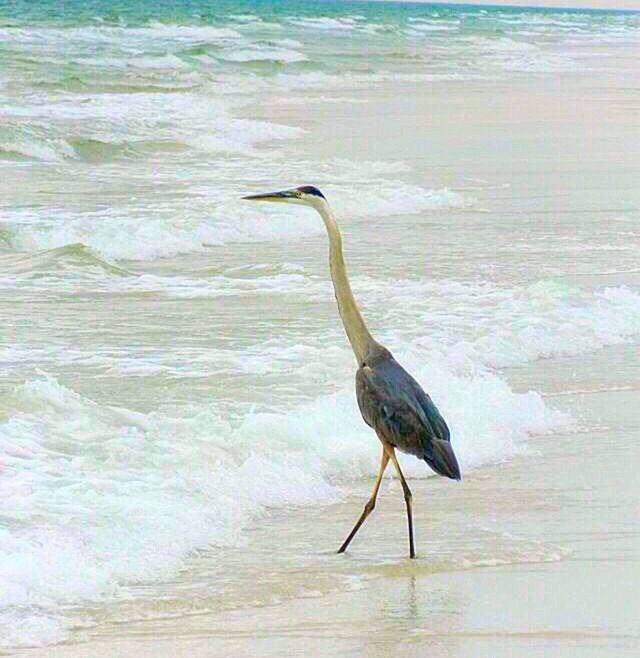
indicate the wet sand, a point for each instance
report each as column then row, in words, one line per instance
column 563, row 517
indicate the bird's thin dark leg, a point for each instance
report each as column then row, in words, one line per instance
column 407, row 498
column 371, row 503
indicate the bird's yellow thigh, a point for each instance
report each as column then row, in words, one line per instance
column 390, row 450
column 384, row 460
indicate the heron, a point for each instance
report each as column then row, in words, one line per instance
column 391, row 401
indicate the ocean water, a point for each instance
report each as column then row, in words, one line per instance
column 171, row 363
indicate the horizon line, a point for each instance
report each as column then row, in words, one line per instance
column 492, row 5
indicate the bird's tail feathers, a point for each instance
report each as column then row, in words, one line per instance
column 443, row 460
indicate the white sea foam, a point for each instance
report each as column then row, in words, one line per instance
column 167, row 62
column 128, row 237
column 241, row 135
column 325, row 23
column 524, row 324
column 397, row 199
column 283, row 55
column 430, row 27
column 48, row 150
column 196, row 120
column 133, row 235
column 245, row 18
column 472, row 327
column 149, row 36
column 200, row 33
column 504, row 44
column 136, row 493
column 287, row 43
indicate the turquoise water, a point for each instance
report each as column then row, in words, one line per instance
column 171, row 366
column 54, row 56
column 79, row 11
column 336, row 35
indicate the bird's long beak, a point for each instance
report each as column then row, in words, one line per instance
column 273, row 196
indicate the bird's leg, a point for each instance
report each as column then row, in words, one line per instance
column 371, row 503
column 407, row 496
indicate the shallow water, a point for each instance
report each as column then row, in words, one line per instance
column 172, row 366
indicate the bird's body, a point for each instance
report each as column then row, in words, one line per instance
column 390, row 400
column 392, row 403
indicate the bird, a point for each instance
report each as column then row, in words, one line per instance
column 390, row 400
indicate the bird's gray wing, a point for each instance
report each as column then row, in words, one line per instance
column 430, row 416
column 387, row 403
column 395, row 405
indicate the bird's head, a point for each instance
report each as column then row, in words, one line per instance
column 307, row 195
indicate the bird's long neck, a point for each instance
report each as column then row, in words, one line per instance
column 357, row 332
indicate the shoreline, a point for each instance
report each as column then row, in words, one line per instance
column 545, row 602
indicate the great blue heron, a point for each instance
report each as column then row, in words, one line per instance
column 390, row 400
